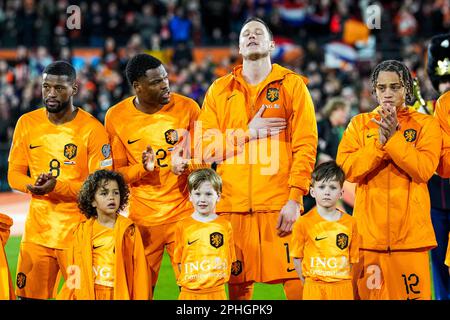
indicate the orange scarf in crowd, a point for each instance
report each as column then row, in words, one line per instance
column 6, row 287
column 131, row 281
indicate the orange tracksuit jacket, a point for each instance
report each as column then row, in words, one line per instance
column 442, row 113
column 131, row 280
column 260, row 175
column 392, row 205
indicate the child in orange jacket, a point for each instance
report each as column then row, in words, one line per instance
column 106, row 260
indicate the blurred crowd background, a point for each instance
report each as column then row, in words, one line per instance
column 327, row 41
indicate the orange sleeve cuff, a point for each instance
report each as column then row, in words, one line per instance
column 18, row 178
column 296, row 194
column 67, row 191
column 133, row 172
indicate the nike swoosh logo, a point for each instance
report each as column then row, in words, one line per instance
column 33, row 147
column 96, row 247
column 290, row 270
column 231, row 96
column 191, row 242
column 370, row 135
column 318, row 239
column 133, row 141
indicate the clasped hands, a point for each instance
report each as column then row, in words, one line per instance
column 45, row 183
column 388, row 124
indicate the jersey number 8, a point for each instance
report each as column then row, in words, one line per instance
column 55, row 167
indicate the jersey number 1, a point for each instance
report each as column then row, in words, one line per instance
column 288, row 257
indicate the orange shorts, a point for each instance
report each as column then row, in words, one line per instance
column 321, row 290
column 398, row 275
column 216, row 293
column 155, row 239
column 37, row 271
column 262, row 256
column 103, row 292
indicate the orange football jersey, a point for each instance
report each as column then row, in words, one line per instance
column 327, row 248
column 69, row 151
column 205, row 251
column 160, row 196
column 103, row 254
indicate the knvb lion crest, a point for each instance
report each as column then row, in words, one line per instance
column 236, row 268
column 171, row 136
column 272, row 94
column 410, row 135
column 70, row 151
column 342, row 241
column 216, row 239
column 21, row 280
column 131, row 231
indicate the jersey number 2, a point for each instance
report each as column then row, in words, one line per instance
column 161, row 154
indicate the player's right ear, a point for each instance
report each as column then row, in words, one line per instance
column 136, row 86
column 272, row 45
column 74, row 88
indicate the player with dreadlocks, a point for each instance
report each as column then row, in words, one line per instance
column 390, row 153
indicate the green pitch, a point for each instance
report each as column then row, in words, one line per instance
column 166, row 288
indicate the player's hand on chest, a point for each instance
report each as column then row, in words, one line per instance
column 161, row 139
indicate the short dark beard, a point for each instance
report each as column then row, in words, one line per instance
column 62, row 106
column 257, row 56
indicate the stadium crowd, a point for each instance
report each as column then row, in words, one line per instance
column 302, row 29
